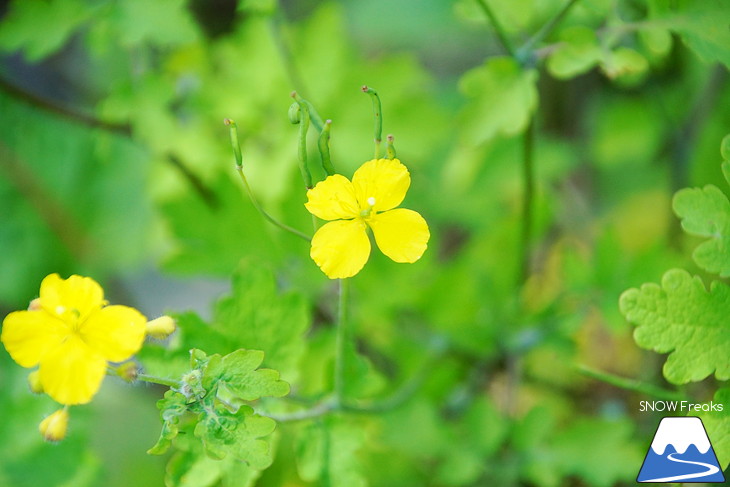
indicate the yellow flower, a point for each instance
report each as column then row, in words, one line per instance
column 342, row 247
column 53, row 428
column 72, row 336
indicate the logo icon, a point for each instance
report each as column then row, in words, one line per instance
column 681, row 452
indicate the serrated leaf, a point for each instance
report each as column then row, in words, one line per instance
column 682, row 318
column 171, row 406
column 717, row 424
column 577, row 52
column 238, row 434
column 502, row 97
column 257, row 316
column 705, row 212
column 237, row 373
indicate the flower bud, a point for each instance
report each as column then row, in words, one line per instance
column 54, row 427
column 34, row 305
column 161, row 328
column 128, row 371
column 34, row 381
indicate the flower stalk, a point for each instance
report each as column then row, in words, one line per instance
column 341, row 339
column 251, row 196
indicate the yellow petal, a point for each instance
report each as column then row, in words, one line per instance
column 28, row 335
column 72, row 372
column 400, row 234
column 381, row 183
column 341, row 248
column 75, row 297
column 333, row 199
column 115, row 332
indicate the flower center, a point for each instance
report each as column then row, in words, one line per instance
column 70, row 316
column 367, row 211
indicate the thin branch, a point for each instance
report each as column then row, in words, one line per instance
column 630, row 384
column 65, row 112
column 121, row 129
column 52, row 211
column 501, row 35
column 547, row 29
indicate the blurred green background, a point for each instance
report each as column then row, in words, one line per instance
column 115, row 163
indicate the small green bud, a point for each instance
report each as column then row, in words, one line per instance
column 295, row 113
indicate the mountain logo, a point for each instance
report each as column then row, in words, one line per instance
column 681, row 452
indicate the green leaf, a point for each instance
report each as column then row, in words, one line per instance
column 41, row 28
column 238, row 434
column 681, row 318
column 624, row 62
column 237, row 374
column 162, row 22
column 582, row 447
column 171, row 407
column 257, row 316
column 702, row 24
column 327, row 453
column 192, row 468
column 705, row 212
column 577, row 53
column 725, row 151
column 502, row 97
column 717, row 424
column 212, row 237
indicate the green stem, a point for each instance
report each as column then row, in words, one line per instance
column 287, row 58
column 546, row 29
column 377, row 116
column 302, row 147
column 501, row 35
column 528, row 197
column 239, row 167
column 341, row 339
column 158, row 380
column 630, row 384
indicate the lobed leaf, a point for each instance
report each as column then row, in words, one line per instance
column 705, row 212
column 502, row 96
column 682, row 318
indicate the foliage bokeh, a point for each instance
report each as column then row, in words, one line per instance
column 115, row 163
